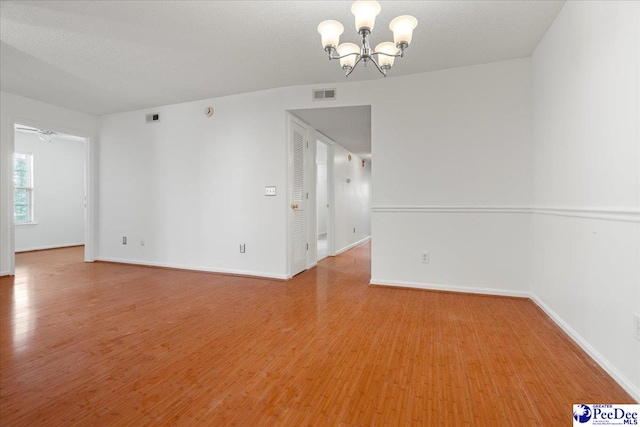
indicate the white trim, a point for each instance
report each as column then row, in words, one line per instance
column 353, row 245
column 614, row 214
column 592, row 352
column 5, row 273
column 44, row 248
column 257, row 274
column 452, row 209
column 11, row 147
column 331, row 198
column 448, row 288
column 90, row 200
column 25, row 224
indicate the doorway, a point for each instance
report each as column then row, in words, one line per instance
column 322, row 199
column 49, row 193
column 336, row 190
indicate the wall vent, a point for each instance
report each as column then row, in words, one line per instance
column 153, row 117
column 324, row 94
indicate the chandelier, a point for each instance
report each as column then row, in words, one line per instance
column 350, row 54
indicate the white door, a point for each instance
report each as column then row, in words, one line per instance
column 297, row 199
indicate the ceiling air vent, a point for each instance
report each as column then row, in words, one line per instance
column 324, row 94
column 153, row 117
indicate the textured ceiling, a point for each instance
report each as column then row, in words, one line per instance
column 111, row 56
column 348, row 126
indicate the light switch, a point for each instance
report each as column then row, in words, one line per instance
column 269, row 191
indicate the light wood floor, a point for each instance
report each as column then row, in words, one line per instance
column 108, row 344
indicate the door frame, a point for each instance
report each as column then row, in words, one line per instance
column 89, row 186
column 330, row 195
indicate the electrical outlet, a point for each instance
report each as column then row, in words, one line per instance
column 124, row 240
column 425, row 257
column 636, row 326
column 242, row 248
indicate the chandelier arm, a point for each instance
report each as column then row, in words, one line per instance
column 343, row 56
column 383, row 72
column 399, row 54
column 354, row 67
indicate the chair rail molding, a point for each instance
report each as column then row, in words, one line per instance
column 604, row 213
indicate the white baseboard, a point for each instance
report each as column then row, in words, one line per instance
column 196, row 268
column 44, row 248
column 595, row 355
column 439, row 287
column 5, row 273
column 353, row 245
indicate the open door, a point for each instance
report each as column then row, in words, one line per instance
column 297, row 197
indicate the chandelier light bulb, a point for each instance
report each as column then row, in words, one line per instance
column 346, row 49
column 365, row 13
column 402, row 28
column 389, row 48
column 330, row 32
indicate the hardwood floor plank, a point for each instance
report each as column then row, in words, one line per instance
column 112, row 344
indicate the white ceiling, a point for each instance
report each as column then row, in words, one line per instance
column 111, row 56
column 348, row 126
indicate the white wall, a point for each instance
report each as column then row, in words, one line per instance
column 352, row 199
column 321, row 188
column 16, row 109
column 586, row 167
column 192, row 187
column 457, row 141
column 438, row 139
column 58, row 169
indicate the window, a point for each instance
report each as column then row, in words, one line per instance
column 23, row 188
